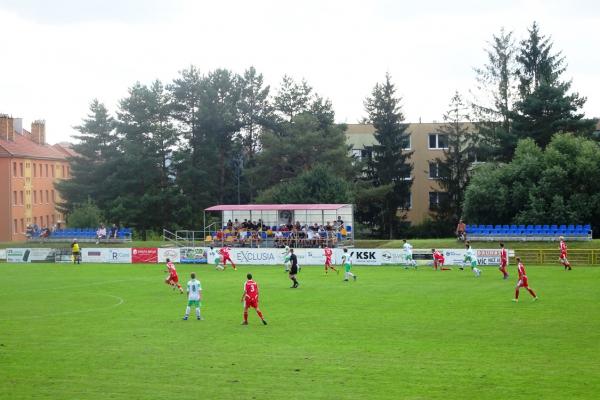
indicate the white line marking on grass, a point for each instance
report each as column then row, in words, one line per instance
column 86, row 285
column 120, row 302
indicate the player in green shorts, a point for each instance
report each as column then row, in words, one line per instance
column 347, row 263
column 194, row 289
column 471, row 259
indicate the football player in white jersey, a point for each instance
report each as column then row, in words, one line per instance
column 194, row 290
column 408, row 255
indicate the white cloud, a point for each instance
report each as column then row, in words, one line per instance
column 58, row 64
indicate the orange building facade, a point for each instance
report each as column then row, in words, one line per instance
column 29, row 169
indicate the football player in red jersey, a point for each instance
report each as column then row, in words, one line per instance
column 328, row 253
column 523, row 281
column 172, row 279
column 224, row 251
column 250, row 299
column 438, row 260
column 503, row 261
column 563, row 254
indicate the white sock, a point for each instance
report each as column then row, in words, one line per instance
column 350, row 274
column 187, row 311
column 198, row 312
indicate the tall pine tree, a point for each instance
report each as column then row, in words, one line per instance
column 495, row 97
column 389, row 169
column 545, row 106
column 453, row 168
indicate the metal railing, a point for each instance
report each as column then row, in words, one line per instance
column 550, row 256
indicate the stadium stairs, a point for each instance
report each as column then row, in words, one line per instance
column 528, row 232
column 84, row 235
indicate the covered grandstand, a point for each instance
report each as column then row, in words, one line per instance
column 278, row 225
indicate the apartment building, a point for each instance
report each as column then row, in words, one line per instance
column 427, row 144
column 29, row 168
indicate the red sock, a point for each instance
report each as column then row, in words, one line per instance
column 532, row 292
column 259, row 314
column 245, row 316
column 516, row 293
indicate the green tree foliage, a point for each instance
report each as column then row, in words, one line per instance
column 453, row 168
column 310, row 138
column 545, row 106
column 142, row 186
column 320, row 184
column 389, row 169
column 85, row 215
column 558, row 185
column 96, row 151
column 495, row 97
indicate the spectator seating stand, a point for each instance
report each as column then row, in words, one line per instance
column 84, row 235
column 528, row 232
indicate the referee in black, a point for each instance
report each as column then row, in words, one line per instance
column 294, row 269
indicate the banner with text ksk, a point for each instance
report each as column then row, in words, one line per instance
column 172, row 253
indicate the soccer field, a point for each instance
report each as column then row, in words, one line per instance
column 115, row 332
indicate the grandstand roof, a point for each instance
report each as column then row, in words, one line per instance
column 274, row 207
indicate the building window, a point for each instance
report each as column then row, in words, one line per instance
column 63, row 171
column 46, row 170
column 22, row 225
column 434, row 170
column 16, row 227
column 53, row 219
column 408, row 203
column 14, row 169
column 34, row 170
column 41, row 170
column 21, row 169
column 436, row 199
column 52, row 170
column 47, row 198
column 35, row 220
column 438, row 141
column 35, row 197
column 15, row 198
column 21, row 197
column 407, row 144
column 52, row 193
column 68, row 171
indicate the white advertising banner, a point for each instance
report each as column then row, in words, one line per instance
column 2, row 254
column 172, row 253
column 94, row 255
column 118, row 256
column 257, row 256
column 17, row 255
column 41, row 255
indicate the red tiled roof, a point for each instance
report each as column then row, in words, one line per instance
column 24, row 147
column 66, row 149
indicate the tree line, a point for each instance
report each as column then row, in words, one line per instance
column 170, row 150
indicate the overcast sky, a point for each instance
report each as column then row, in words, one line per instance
column 58, row 55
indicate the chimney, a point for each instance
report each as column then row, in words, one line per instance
column 6, row 128
column 38, row 131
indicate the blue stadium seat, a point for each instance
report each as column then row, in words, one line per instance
column 505, row 227
column 348, row 228
column 537, row 227
column 513, row 227
column 562, row 227
column 546, row 227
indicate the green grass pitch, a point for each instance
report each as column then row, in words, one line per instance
column 115, row 332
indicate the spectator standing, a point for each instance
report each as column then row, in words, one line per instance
column 461, row 231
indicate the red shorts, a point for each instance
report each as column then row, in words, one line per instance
column 563, row 256
column 224, row 259
column 251, row 303
column 523, row 282
column 173, row 278
column 328, row 261
column 503, row 264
